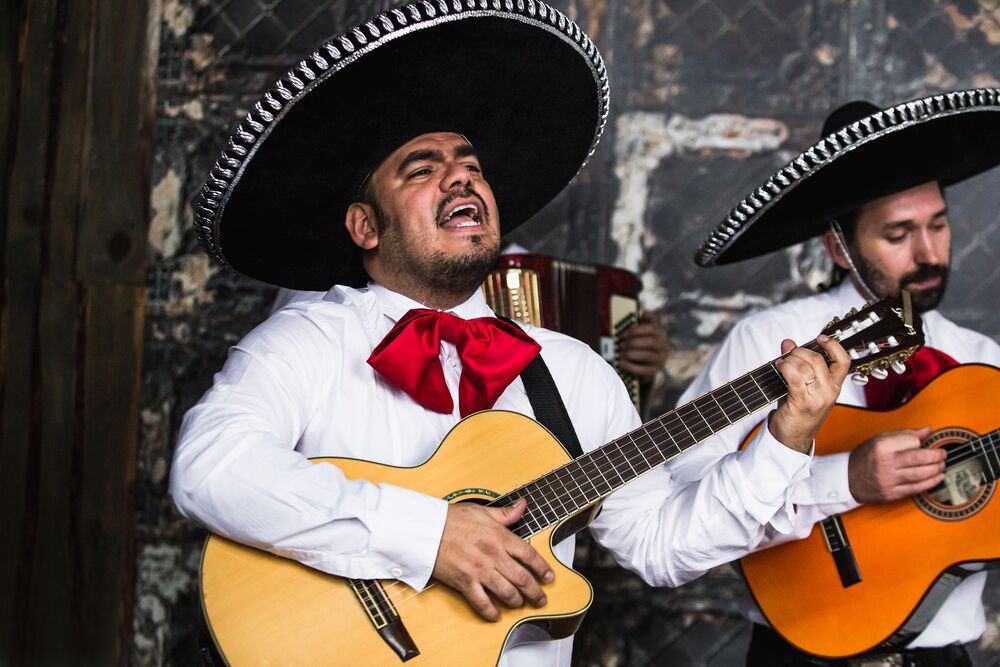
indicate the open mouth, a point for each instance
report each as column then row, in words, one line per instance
column 463, row 215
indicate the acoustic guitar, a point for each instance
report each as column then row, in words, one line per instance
column 875, row 576
column 265, row 610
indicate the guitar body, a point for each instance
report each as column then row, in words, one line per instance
column 266, row 610
column 901, row 548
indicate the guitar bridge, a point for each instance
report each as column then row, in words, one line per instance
column 384, row 617
column 840, row 549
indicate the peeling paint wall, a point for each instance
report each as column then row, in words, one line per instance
column 708, row 98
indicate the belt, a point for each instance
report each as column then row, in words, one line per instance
column 768, row 648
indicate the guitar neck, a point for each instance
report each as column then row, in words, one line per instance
column 591, row 477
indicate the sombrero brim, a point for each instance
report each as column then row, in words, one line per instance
column 945, row 138
column 524, row 84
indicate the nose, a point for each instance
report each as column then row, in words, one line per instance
column 455, row 175
column 925, row 248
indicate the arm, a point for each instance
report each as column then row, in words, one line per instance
column 671, row 528
column 236, row 471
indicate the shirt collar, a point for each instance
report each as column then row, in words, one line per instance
column 394, row 305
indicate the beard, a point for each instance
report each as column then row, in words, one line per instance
column 437, row 272
column 883, row 286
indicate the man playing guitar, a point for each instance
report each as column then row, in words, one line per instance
column 884, row 222
column 386, row 174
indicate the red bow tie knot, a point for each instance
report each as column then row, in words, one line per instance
column 922, row 367
column 493, row 353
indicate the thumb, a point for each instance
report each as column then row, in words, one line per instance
column 922, row 432
column 508, row 515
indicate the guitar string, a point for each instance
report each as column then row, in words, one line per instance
column 955, row 458
column 640, row 449
column 770, row 382
column 638, row 456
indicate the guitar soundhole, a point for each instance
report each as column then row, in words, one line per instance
column 964, row 490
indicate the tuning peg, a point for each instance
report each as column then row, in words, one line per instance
column 880, row 373
column 832, row 322
column 870, row 302
column 852, row 312
column 897, row 366
column 859, row 379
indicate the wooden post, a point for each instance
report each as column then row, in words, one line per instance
column 77, row 91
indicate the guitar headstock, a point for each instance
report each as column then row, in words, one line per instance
column 878, row 337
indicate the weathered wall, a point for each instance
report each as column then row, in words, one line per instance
column 708, row 98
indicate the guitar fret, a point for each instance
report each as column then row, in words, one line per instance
column 611, row 468
column 723, row 412
column 731, row 388
column 592, row 461
column 698, row 431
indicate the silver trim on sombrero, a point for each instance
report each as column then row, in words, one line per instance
column 340, row 51
column 832, row 147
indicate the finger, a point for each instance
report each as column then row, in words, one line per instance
column 645, row 372
column 796, row 371
column 787, row 345
column 905, row 490
column 530, row 558
column 916, row 474
column 815, row 366
column 640, row 355
column 503, row 589
column 509, row 515
column 920, row 456
column 481, row 603
column 640, row 330
column 523, row 581
column 840, row 361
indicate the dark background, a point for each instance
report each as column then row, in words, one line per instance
column 109, row 96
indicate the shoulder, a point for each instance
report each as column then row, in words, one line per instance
column 965, row 345
column 313, row 325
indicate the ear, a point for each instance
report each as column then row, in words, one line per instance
column 833, row 249
column 360, row 225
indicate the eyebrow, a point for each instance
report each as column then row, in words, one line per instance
column 433, row 155
column 909, row 222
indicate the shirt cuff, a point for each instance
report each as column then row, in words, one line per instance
column 828, row 483
column 772, row 469
column 407, row 533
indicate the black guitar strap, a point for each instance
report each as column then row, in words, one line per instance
column 547, row 404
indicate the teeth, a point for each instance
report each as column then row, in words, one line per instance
column 464, row 207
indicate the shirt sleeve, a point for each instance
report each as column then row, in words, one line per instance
column 236, row 471
column 717, row 502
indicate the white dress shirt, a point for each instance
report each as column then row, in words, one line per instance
column 753, row 341
column 298, row 386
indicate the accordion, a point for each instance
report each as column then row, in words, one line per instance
column 590, row 302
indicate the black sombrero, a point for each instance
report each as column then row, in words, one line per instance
column 865, row 153
column 520, row 80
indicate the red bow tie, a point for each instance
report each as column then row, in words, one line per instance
column 925, row 365
column 493, row 353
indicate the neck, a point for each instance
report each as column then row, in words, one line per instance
column 434, row 299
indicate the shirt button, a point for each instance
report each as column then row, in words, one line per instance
column 832, row 495
column 452, row 362
column 396, row 572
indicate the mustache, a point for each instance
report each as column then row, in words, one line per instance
column 457, row 194
column 924, row 272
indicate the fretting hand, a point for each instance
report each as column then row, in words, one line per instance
column 813, row 388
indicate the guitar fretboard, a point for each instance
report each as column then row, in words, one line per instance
column 589, row 478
